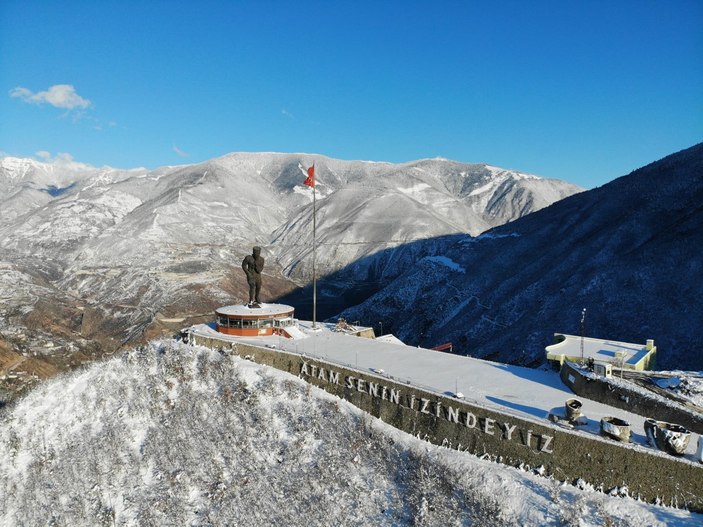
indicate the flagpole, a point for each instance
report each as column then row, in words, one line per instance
column 314, row 242
column 310, row 181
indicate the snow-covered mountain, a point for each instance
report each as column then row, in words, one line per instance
column 174, row 435
column 629, row 252
column 112, row 252
column 244, row 198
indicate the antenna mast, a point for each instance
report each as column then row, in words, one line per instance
column 583, row 329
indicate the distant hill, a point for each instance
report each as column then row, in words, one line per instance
column 98, row 215
column 629, row 252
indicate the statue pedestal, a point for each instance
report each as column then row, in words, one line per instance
column 252, row 320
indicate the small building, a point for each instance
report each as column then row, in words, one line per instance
column 620, row 354
column 245, row 321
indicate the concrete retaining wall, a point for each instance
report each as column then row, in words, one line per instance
column 442, row 420
column 627, row 399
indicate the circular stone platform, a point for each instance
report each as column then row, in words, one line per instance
column 247, row 321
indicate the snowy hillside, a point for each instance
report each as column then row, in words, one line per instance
column 108, row 255
column 173, row 435
column 628, row 252
column 400, row 204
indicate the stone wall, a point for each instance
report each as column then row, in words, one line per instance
column 561, row 453
column 624, row 398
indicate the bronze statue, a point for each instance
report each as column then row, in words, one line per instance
column 253, row 264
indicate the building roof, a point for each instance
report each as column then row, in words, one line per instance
column 612, row 351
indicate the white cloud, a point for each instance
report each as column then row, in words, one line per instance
column 179, row 152
column 287, row 114
column 59, row 96
column 62, row 159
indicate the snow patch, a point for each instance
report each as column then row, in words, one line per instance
column 483, row 189
column 447, row 262
column 489, row 236
column 415, row 189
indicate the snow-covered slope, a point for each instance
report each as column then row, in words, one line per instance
column 629, row 252
column 399, row 204
column 172, row 435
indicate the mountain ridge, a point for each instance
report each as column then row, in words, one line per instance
column 626, row 251
column 120, row 250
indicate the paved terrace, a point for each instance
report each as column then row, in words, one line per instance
column 523, row 392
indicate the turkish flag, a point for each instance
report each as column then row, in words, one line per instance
column 310, row 180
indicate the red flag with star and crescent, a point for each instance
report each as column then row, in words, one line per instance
column 310, row 180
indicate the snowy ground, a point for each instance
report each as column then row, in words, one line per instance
column 686, row 385
column 175, row 435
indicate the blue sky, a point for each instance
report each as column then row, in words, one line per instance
column 581, row 91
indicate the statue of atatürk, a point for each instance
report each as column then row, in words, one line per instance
column 253, row 264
